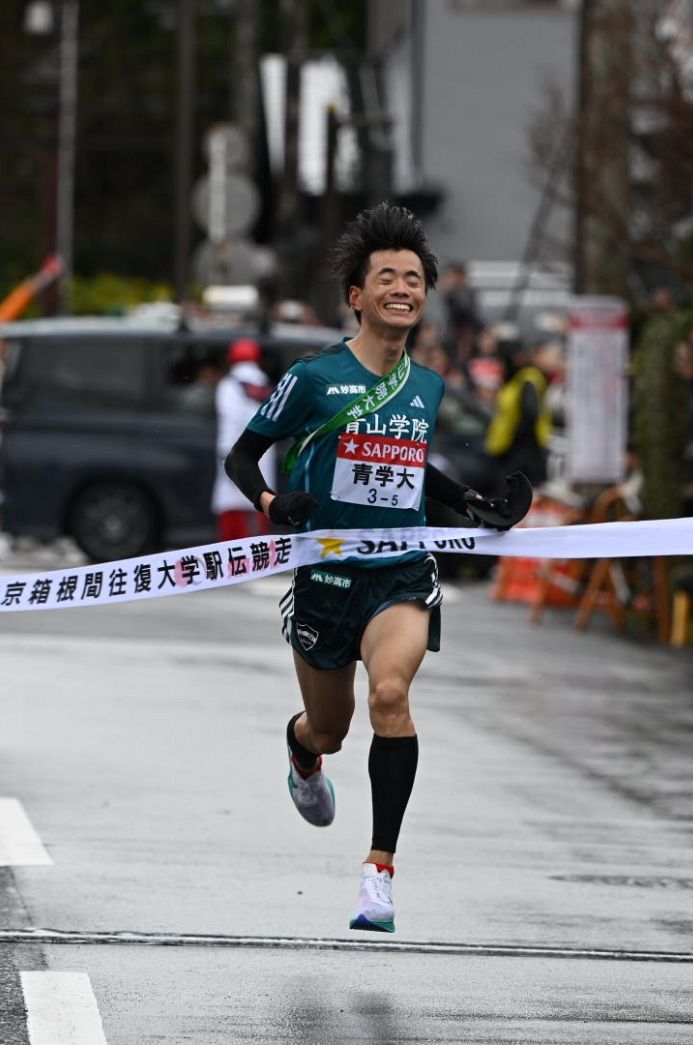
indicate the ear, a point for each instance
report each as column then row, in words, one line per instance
column 355, row 297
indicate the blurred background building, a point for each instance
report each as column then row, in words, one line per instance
column 464, row 81
column 183, row 142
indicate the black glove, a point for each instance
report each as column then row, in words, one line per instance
column 292, row 509
column 502, row 512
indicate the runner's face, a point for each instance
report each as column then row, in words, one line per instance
column 394, row 291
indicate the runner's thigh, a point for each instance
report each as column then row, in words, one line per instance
column 394, row 642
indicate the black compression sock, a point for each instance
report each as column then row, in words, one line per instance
column 392, row 765
column 305, row 758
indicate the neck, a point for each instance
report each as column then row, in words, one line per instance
column 378, row 354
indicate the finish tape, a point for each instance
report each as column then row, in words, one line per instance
column 251, row 558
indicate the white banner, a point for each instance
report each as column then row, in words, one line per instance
column 596, row 390
column 232, row 562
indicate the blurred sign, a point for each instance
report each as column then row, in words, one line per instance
column 225, row 207
column 231, row 261
column 225, row 202
column 596, row 390
column 226, row 143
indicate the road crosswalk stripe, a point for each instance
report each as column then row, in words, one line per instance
column 20, row 846
column 61, row 1009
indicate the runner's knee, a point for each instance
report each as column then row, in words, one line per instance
column 329, row 742
column 327, row 733
column 389, row 697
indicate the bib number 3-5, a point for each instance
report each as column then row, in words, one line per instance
column 378, row 471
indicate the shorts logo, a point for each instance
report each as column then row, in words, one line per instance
column 307, row 636
column 331, row 579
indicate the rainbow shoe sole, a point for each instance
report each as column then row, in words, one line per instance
column 361, row 922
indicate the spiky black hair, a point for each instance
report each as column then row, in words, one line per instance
column 384, row 227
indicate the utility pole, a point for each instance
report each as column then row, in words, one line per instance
column 602, row 163
column 584, row 106
column 185, row 120
column 326, row 300
column 295, row 33
column 245, row 80
column 67, row 141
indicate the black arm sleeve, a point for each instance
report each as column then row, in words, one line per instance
column 440, row 487
column 241, row 465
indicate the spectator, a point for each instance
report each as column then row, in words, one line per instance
column 663, row 300
column 458, row 444
column 486, row 366
column 423, row 337
column 238, row 396
column 463, row 321
column 519, row 434
column 464, row 415
column 683, row 366
column 198, row 395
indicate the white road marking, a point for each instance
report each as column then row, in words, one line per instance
column 50, row 937
column 19, row 843
column 61, row 1009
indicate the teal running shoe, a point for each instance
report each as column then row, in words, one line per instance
column 313, row 795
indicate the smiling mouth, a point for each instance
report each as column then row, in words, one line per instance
column 400, row 307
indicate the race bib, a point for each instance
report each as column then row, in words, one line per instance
column 379, row 471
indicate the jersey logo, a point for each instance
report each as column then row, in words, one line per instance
column 277, row 401
column 417, row 401
column 345, row 390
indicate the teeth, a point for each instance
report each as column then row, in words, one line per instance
column 399, row 308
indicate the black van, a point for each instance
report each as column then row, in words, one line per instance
column 108, row 432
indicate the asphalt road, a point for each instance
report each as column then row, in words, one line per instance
column 544, row 885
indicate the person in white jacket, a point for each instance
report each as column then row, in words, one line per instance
column 238, row 396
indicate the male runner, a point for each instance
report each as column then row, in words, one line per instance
column 368, row 472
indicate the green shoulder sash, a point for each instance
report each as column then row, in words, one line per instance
column 384, row 389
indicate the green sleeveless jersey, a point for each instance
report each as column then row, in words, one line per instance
column 370, row 473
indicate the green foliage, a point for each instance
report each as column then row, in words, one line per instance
column 111, row 295
column 659, row 418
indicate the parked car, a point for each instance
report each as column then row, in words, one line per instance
column 107, row 429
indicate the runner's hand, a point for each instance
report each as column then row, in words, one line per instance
column 292, row 509
column 500, row 513
column 493, row 509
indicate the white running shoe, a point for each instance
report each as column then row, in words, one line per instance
column 375, row 908
column 313, row 796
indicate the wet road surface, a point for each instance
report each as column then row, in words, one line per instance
column 551, row 821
